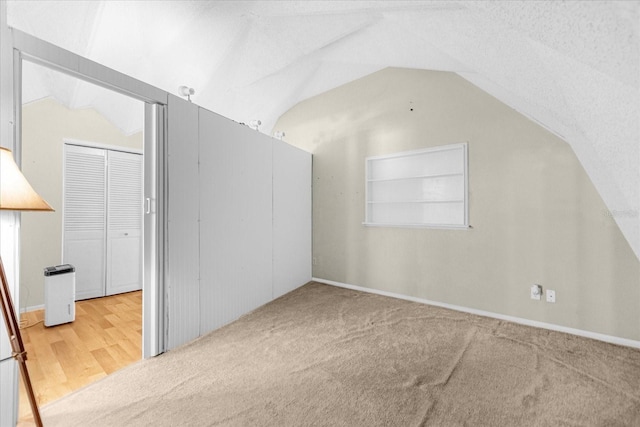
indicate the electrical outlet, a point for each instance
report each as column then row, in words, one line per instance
column 551, row 295
column 536, row 292
column 315, row 261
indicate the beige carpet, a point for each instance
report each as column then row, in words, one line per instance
column 326, row 356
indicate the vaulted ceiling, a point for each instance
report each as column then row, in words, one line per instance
column 572, row 66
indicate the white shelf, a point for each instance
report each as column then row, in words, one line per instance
column 414, row 201
column 443, row 226
column 440, row 175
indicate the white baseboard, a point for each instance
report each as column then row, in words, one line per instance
column 579, row 332
column 32, row 308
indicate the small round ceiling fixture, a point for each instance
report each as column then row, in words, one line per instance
column 186, row 91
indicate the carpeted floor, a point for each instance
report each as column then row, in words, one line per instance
column 327, row 356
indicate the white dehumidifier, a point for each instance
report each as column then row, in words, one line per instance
column 59, row 294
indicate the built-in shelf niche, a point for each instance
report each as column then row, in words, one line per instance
column 420, row 188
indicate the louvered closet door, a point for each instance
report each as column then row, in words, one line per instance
column 124, row 222
column 84, row 218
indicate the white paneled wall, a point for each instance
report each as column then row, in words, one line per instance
column 182, row 280
column 291, row 224
column 8, row 387
column 8, row 365
column 239, row 220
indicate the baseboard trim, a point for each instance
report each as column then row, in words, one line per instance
column 32, row 308
column 579, row 332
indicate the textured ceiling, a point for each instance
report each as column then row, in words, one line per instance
column 571, row 66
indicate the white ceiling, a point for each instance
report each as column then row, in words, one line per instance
column 573, row 66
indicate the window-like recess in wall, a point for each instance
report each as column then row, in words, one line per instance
column 421, row 188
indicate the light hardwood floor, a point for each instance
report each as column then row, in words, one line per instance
column 105, row 336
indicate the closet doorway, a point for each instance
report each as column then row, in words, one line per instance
column 102, row 225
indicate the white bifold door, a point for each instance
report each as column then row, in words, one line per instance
column 103, row 220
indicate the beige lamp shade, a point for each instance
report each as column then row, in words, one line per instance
column 15, row 191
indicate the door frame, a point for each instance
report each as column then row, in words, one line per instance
column 32, row 49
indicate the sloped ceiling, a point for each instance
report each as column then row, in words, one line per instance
column 572, row 66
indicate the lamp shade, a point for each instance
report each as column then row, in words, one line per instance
column 15, row 191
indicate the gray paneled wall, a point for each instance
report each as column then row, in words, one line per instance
column 239, row 231
column 182, row 281
column 236, row 235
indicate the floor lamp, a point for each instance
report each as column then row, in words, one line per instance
column 17, row 195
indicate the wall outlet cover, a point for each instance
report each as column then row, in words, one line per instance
column 536, row 292
column 551, row 296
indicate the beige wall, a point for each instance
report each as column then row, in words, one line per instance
column 45, row 124
column 535, row 215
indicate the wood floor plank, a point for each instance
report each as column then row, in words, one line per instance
column 106, row 360
column 132, row 335
column 119, row 353
column 105, row 336
column 88, row 335
column 132, row 349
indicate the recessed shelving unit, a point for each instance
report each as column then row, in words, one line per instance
column 421, row 188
